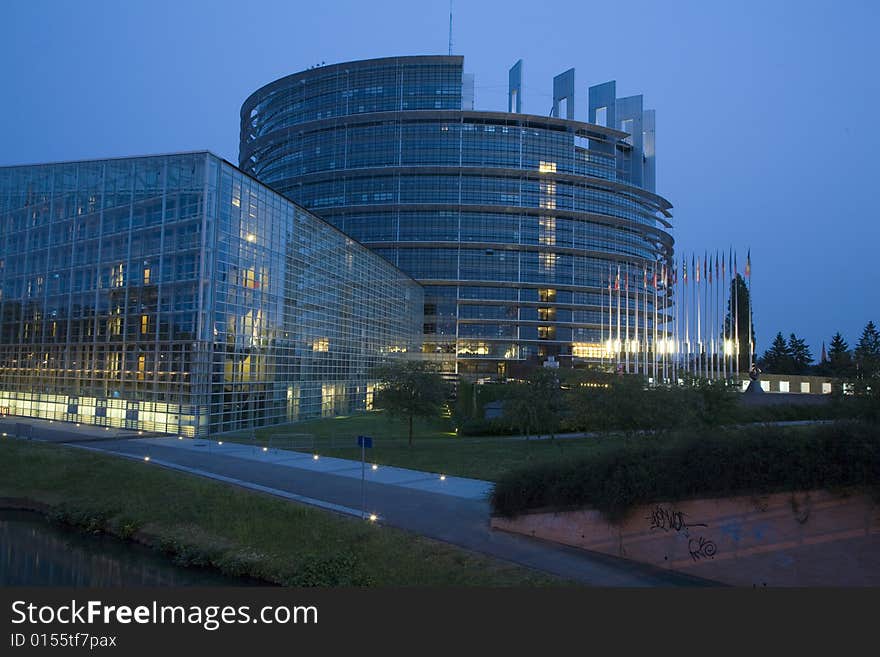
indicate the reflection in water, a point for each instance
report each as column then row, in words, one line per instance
column 34, row 552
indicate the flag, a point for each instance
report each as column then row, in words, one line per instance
column 697, row 272
column 617, row 280
column 684, row 272
column 735, row 268
column 749, row 264
column 626, row 281
column 710, row 270
column 645, row 276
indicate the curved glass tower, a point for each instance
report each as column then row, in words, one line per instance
column 534, row 236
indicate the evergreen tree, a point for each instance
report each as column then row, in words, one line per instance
column 738, row 309
column 777, row 359
column 801, row 357
column 867, row 353
column 839, row 358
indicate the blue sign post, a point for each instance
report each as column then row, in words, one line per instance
column 365, row 443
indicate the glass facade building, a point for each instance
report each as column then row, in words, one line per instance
column 515, row 224
column 176, row 294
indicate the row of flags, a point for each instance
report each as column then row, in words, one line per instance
column 684, row 309
column 668, row 276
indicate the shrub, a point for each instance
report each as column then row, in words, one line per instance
column 754, row 460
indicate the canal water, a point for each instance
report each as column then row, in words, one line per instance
column 36, row 552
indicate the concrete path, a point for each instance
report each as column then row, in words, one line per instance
column 451, row 509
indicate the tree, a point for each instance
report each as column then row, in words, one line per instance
column 778, row 359
column 536, row 404
column 738, row 306
column 867, row 353
column 410, row 389
column 801, row 357
column 839, row 358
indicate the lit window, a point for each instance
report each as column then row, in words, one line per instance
column 546, row 167
column 145, row 324
column 321, row 344
column 587, row 350
column 147, row 275
column 547, row 261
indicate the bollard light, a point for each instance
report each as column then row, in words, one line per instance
column 219, row 442
column 77, row 424
column 265, row 449
column 442, row 477
column 375, row 467
column 146, row 458
column 314, row 457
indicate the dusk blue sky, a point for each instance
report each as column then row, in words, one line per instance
column 767, row 132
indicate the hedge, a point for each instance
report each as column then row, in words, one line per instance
column 753, row 460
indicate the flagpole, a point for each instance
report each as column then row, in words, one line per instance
column 676, row 353
column 687, row 327
column 626, row 308
column 638, row 346
column 736, row 311
column 752, row 358
column 617, row 289
column 610, row 333
column 645, row 314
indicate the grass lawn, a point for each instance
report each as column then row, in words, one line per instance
column 436, row 447
column 202, row 522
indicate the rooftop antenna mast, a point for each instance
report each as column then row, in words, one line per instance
column 450, row 27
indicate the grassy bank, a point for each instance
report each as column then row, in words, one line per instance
column 721, row 463
column 435, row 448
column 202, row 522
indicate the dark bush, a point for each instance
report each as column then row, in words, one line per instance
column 754, row 460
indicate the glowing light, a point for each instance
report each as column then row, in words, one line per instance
column 251, row 237
column 77, row 424
column 146, row 458
column 442, row 477
column 265, row 449
column 219, row 442
column 4, row 435
column 373, row 517
column 180, row 437
column 375, row 467
column 315, row 457
column 140, row 433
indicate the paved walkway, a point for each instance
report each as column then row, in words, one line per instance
column 451, row 509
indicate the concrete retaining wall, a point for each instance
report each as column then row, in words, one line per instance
column 789, row 539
